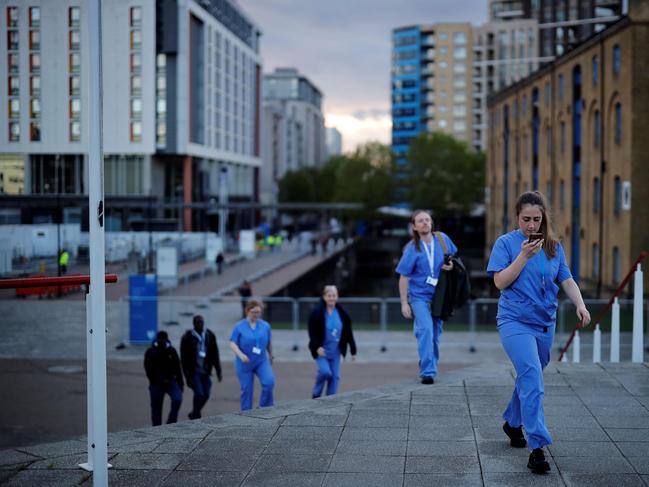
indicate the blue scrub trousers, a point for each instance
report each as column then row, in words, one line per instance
column 202, row 388
column 427, row 330
column 529, row 349
column 246, row 374
column 329, row 373
column 157, row 394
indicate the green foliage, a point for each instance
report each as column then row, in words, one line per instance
column 445, row 175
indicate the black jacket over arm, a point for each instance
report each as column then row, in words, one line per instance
column 317, row 328
column 189, row 354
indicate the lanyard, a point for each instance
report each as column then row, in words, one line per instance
column 201, row 340
column 430, row 256
column 540, row 265
column 255, row 334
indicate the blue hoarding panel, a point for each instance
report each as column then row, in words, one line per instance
column 143, row 308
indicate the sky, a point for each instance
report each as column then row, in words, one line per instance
column 343, row 47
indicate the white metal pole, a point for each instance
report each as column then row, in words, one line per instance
column 91, row 437
column 576, row 348
column 597, row 345
column 97, row 250
column 637, row 350
column 615, row 332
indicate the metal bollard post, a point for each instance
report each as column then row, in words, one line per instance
column 615, row 332
column 597, row 345
column 472, row 322
column 576, row 348
column 296, row 323
column 384, row 324
column 637, row 349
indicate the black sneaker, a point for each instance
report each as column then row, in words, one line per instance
column 537, row 462
column 516, row 438
column 427, row 380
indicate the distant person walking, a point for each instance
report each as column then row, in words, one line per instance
column 528, row 265
column 162, row 367
column 251, row 342
column 219, row 263
column 330, row 332
column 64, row 261
column 245, row 292
column 420, row 267
column 199, row 353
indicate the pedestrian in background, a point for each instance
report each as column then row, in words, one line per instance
column 199, row 353
column 64, row 261
column 245, row 292
column 251, row 342
column 330, row 332
column 528, row 265
column 162, row 367
column 219, row 263
column 420, row 266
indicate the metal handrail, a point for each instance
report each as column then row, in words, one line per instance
column 606, row 309
column 21, row 282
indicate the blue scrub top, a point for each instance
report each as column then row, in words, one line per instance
column 333, row 329
column 532, row 297
column 246, row 338
column 414, row 265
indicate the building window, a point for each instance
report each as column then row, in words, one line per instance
column 459, row 53
column 595, row 67
column 617, row 60
column 35, row 62
column 14, row 108
column 548, row 191
column 34, row 16
column 13, row 86
column 75, row 107
column 136, row 131
column 595, row 265
column 12, row 40
column 443, row 36
column 596, row 195
column 561, row 87
column 136, row 62
column 34, row 85
column 34, row 39
column 35, row 108
column 14, row 131
column 136, row 16
column 459, row 68
column 74, row 16
column 597, row 128
column 12, row 16
column 618, row 123
column 75, row 131
column 459, row 37
column 443, row 51
column 75, row 84
column 74, row 37
column 136, row 39
column 136, row 85
column 617, row 195
column 562, row 195
column 562, row 137
column 12, row 63
column 548, row 140
column 75, row 62
column 136, row 107
column 35, row 131
column 616, row 265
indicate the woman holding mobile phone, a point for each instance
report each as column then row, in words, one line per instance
column 528, row 270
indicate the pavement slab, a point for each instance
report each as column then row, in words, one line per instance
column 402, row 435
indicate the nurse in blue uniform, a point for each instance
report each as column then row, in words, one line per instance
column 330, row 332
column 420, row 266
column 251, row 343
column 528, row 274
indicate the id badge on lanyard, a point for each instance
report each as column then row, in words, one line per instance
column 430, row 256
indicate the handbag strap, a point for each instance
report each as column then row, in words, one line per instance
column 441, row 241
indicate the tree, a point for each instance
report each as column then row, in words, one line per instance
column 297, row 186
column 445, row 175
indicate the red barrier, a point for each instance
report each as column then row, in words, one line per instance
column 27, row 282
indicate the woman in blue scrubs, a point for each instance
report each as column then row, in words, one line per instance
column 251, row 343
column 528, row 273
column 330, row 332
column 420, row 266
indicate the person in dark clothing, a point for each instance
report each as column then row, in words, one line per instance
column 245, row 291
column 199, row 353
column 330, row 331
column 162, row 367
column 219, row 262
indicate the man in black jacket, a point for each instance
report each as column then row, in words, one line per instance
column 199, row 353
column 162, row 367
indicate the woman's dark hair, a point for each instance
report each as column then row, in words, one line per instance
column 415, row 235
column 536, row 198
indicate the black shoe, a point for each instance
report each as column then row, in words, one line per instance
column 516, row 438
column 537, row 462
column 427, row 380
column 193, row 416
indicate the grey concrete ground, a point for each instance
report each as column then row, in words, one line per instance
column 402, row 435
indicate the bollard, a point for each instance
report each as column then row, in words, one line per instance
column 384, row 324
column 637, row 349
column 597, row 345
column 576, row 348
column 296, row 324
column 615, row 332
column 472, row 320
column 565, row 358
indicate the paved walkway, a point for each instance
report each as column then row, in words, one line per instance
column 400, row 435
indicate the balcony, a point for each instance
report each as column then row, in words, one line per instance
column 428, row 71
column 428, row 41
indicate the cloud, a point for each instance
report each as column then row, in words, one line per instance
column 343, row 47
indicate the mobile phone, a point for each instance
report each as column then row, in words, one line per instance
column 535, row 236
column 447, row 259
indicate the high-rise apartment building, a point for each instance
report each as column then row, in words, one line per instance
column 181, row 106
column 333, row 141
column 293, row 129
column 431, row 82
